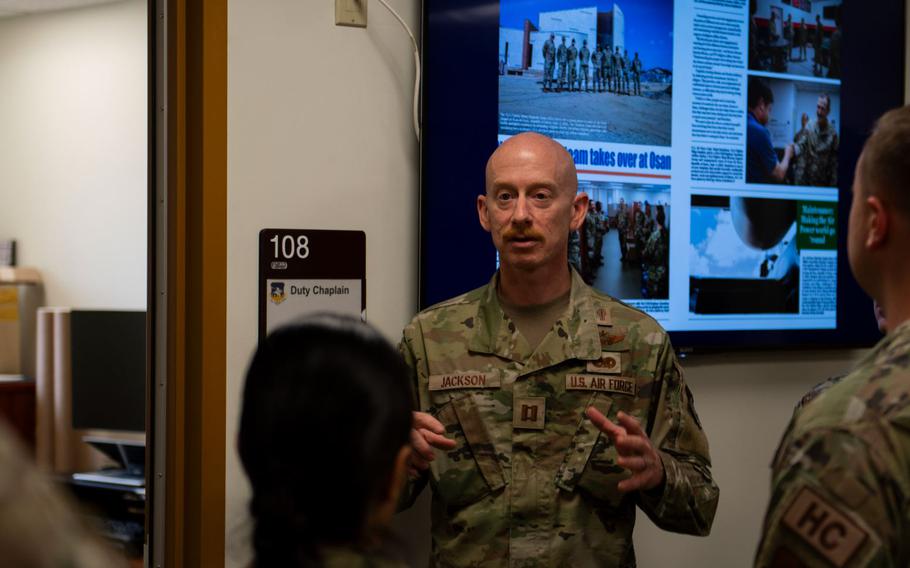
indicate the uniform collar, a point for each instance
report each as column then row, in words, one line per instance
column 575, row 335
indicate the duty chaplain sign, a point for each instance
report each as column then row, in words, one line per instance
column 306, row 271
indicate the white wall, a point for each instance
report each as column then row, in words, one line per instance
column 73, row 151
column 298, row 158
column 319, row 137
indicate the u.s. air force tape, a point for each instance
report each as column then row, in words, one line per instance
column 824, row 527
column 602, row 383
column 466, row 380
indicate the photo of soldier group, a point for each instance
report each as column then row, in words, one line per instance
column 623, row 246
column 797, row 37
column 792, row 132
column 743, row 255
column 587, row 70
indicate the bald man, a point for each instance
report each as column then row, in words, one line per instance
column 840, row 483
column 549, row 411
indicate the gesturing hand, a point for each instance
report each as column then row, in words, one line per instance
column 635, row 451
column 426, row 434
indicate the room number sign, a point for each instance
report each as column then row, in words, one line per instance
column 307, row 271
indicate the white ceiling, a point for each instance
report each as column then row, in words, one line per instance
column 9, row 8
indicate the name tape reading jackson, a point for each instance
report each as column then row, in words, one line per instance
column 464, row 381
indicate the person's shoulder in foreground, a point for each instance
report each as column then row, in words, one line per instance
column 841, row 478
column 39, row 526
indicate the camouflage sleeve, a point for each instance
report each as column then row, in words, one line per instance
column 836, row 501
column 413, row 487
column 688, row 498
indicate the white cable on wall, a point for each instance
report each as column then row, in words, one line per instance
column 416, row 68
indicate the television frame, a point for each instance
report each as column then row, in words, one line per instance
column 460, row 128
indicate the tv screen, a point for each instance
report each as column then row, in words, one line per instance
column 716, row 140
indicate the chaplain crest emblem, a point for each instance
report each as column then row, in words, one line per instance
column 277, row 293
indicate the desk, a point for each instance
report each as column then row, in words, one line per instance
column 117, row 511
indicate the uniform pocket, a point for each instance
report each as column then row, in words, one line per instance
column 602, row 475
column 471, row 470
column 590, row 464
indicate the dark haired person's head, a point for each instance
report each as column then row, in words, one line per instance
column 324, row 428
column 661, row 216
column 760, row 99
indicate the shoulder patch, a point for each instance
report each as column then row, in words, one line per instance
column 824, row 527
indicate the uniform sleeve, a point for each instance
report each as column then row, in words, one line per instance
column 838, row 499
column 688, row 498
column 411, row 358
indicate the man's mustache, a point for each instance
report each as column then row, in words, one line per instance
column 524, row 234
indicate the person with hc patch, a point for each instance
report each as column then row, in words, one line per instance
column 548, row 411
column 561, row 57
column 549, row 58
column 840, row 479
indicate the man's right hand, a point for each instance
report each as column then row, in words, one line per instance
column 426, row 434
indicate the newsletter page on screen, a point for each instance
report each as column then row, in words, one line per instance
column 705, row 134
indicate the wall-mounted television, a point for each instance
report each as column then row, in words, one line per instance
column 719, row 138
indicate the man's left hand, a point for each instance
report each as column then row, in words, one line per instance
column 633, row 448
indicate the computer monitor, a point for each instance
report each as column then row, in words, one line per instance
column 108, row 369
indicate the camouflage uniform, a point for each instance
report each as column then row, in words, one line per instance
column 337, row 557
column 561, row 59
column 575, row 250
column 572, row 60
column 656, row 255
column 640, row 233
column 817, row 390
column 596, row 58
column 600, row 229
column 636, row 75
column 841, row 476
column 591, row 222
column 624, row 67
column 549, row 57
column 622, row 226
column 584, row 56
column 816, row 162
column 609, row 63
column 506, row 496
